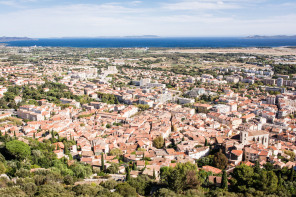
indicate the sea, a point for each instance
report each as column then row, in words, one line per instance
column 159, row 42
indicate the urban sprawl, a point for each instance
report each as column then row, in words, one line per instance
column 217, row 116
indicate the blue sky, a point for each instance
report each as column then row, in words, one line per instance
column 93, row 18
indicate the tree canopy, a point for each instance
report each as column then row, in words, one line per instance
column 220, row 160
column 18, row 149
column 158, row 142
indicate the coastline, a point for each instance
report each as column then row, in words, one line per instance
column 188, row 43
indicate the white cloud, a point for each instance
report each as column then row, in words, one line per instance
column 135, row 3
column 190, row 19
column 197, row 5
column 76, row 20
column 16, row 3
column 9, row 3
column 201, row 5
column 115, row 19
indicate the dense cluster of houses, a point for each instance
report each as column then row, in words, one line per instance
column 249, row 125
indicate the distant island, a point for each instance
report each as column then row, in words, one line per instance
column 144, row 36
column 9, row 39
column 276, row 36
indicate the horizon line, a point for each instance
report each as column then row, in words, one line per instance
column 151, row 36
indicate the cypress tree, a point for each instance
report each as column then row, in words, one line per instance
column 292, row 174
column 134, row 166
column 174, row 144
column 66, row 149
column 280, row 180
column 34, row 135
column 206, row 142
column 257, row 167
column 52, row 136
column 154, row 176
column 128, row 175
column 102, row 162
column 116, row 101
column 224, row 184
column 0, row 133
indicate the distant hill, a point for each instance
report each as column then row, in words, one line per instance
column 276, row 36
column 9, row 39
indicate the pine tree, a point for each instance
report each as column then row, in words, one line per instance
column 102, row 162
column 224, row 184
column 128, row 175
